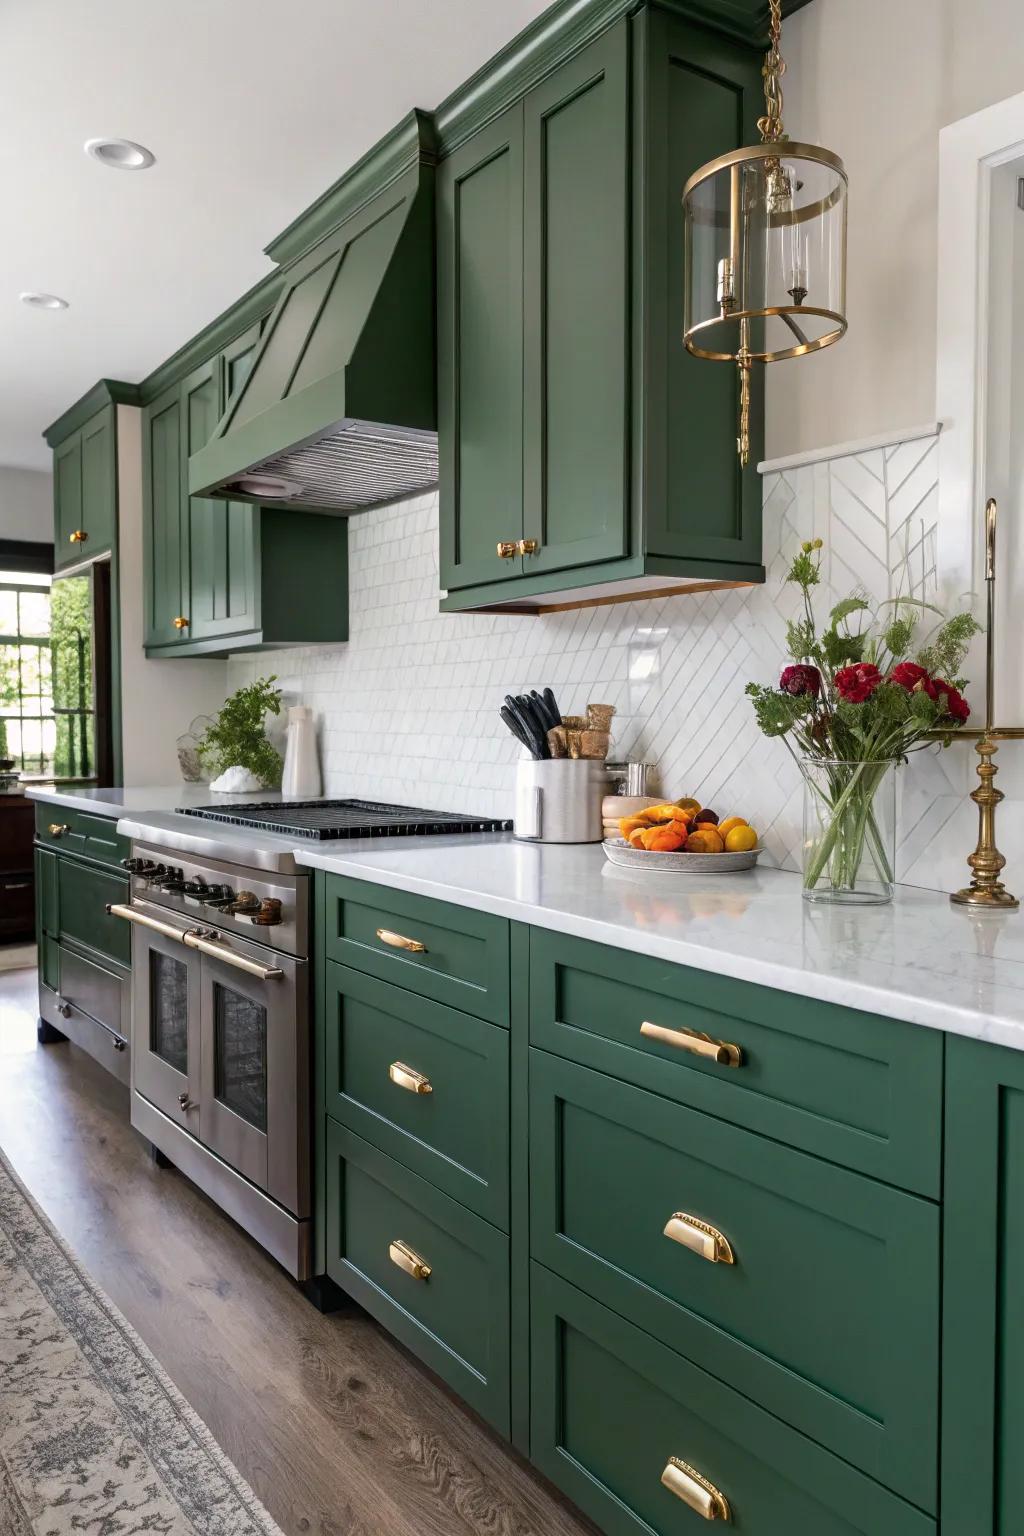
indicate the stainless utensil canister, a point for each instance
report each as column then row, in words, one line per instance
column 558, row 800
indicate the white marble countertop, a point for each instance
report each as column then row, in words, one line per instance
column 919, row 959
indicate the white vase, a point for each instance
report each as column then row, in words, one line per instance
column 300, row 779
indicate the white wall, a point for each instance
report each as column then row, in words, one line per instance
column 26, row 505
column 875, row 80
column 159, row 699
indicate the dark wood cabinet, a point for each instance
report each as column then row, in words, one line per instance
column 17, row 892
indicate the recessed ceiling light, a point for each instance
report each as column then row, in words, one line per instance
column 36, row 300
column 120, row 154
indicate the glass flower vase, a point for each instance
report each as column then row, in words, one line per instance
column 849, row 845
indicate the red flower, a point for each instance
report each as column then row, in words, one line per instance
column 800, row 680
column 955, row 704
column 855, row 684
column 913, row 678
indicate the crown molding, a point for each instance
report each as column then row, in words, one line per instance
column 103, row 392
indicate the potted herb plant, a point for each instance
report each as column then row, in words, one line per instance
column 237, row 738
column 859, row 696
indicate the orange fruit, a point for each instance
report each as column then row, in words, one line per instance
column 740, row 839
column 726, row 826
column 636, row 837
column 705, row 839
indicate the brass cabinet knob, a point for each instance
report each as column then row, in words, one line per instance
column 185, row 1102
column 408, row 1259
column 58, row 828
column 408, row 1078
column 508, row 549
column 527, row 547
column 181, row 622
column 695, row 1490
column 63, row 1008
column 78, row 537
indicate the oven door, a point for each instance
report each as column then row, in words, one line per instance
column 166, row 1022
column 254, row 1066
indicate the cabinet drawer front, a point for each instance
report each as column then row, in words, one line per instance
column 610, row 1407
column 821, row 1303
column 92, row 837
column 455, row 1318
column 101, row 994
column 859, row 1090
column 463, row 960
column 427, row 1085
column 83, row 894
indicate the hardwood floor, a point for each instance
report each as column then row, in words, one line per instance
column 335, row 1427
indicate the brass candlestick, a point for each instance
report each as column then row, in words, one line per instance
column 986, row 862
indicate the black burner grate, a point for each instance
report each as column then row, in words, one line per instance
column 329, row 820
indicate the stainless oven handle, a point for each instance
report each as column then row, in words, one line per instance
column 193, row 940
column 130, row 915
column 209, row 947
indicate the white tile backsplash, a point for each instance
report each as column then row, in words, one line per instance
column 408, row 708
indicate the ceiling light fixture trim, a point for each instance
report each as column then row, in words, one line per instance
column 120, row 154
column 36, row 299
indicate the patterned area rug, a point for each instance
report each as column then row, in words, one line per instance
column 95, row 1440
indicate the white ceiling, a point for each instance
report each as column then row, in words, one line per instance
column 252, row 108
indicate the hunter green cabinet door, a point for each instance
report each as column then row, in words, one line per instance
column 703, row 96
column 480, row 353
column 222, row 534
column 67, row 499
column 576, row 310
column 165, row 532
column 983, row 1324
column 99, row 493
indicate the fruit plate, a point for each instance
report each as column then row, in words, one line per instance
column 681, row 863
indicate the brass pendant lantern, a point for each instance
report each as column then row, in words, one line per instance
column 765, row 247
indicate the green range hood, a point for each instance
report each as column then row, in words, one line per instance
column 339, row 411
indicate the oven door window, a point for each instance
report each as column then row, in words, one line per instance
column 240, row 1055
column 168, row 1010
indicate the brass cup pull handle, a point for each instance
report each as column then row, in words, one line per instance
column 704, row 1240
column 691, row 1040
column 180, row 622
column 695, row 1490
column 408, row 1078
column 527, row 546
column 58, row 828
column 508, row 549
column 399, row 941
column 408, row 1260
column 78, row 537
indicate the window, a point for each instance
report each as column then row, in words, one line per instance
column 28, row 732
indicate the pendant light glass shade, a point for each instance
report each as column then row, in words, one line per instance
column 765, row 253
column 764, row 238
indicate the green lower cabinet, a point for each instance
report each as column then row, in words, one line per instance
column 822, row 1303
column 84, row 892
column 983, row 1287
column 47, row 918
column 426, row 1084
column 612, row 1409
column 435, row 1274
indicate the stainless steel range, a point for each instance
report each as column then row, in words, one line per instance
column 221, row 1029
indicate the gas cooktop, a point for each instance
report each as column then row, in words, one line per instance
column 329, row 820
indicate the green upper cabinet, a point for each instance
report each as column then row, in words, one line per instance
column 223, row 576
column 983, row 1281
column 84, row 490
column 583, row 453
column 480, row 360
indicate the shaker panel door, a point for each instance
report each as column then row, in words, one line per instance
column 165, row 534
column 225, row 534
column 480, row 353
column 576, row 310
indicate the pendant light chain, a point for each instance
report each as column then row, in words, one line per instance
column 772, row 71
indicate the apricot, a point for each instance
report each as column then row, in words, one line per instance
column 629, row 824
column 705, row 839
column 636, row 837
column 668, row 838
column 740, row 839
column 726, row 826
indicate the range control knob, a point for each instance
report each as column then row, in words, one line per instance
column 195, row 887
column 269, row 914
column 216, row 894
column 246, row 902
